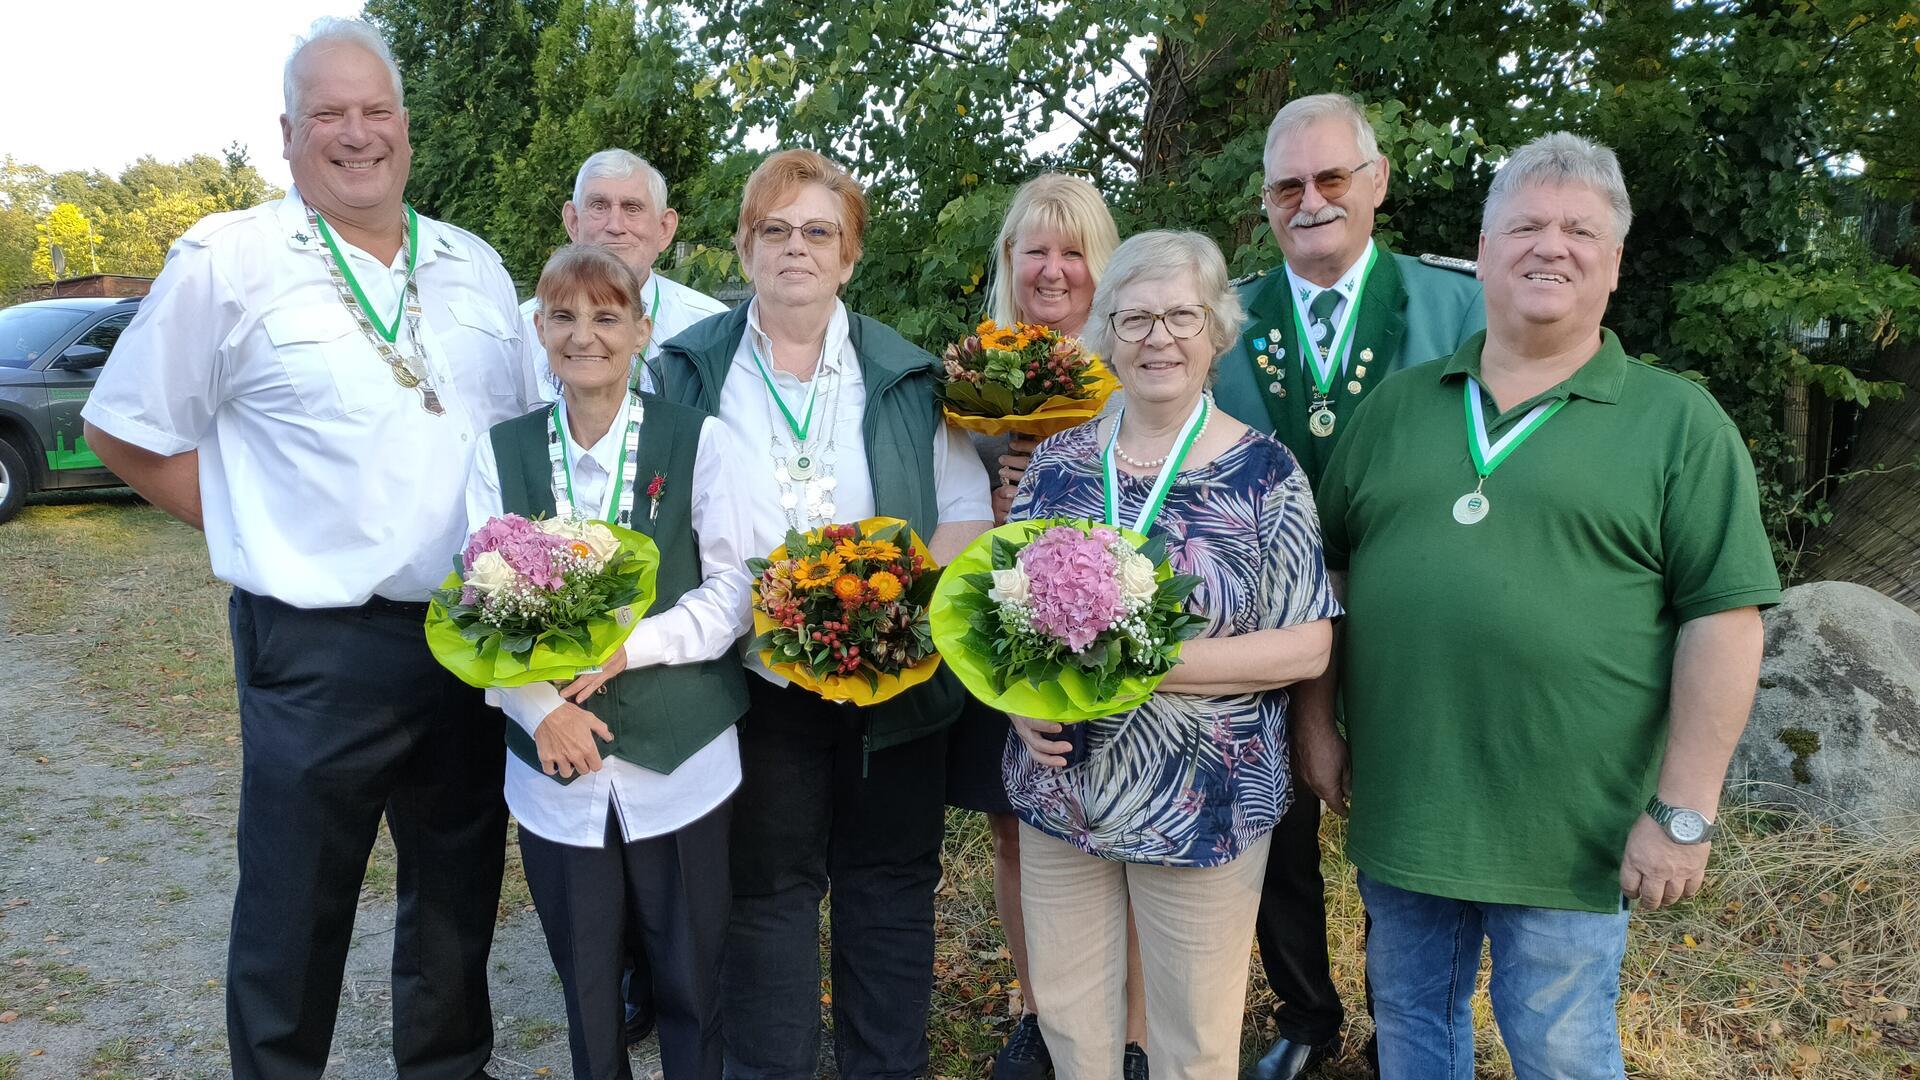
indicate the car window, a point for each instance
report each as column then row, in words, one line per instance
column 108, row 332
column 27, row 331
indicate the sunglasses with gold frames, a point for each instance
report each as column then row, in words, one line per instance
column 1331, row 183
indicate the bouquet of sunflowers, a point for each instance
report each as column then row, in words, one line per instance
column 534, row 601
column 1026, row 378
column 842, row 610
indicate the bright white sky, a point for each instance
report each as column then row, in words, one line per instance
column 95, row 84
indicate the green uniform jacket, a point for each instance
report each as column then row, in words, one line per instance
column 901, row 420
column 662, row 714
column 1412, row 311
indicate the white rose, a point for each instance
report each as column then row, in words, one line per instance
column 600, row 540
column 1137, row 582
column 1010, row 586
column 489, row 573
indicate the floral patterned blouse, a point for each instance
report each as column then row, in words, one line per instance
column 1185, row 779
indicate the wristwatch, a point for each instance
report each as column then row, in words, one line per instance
column 1682, row 826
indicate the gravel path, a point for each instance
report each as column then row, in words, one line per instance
column 116, row 877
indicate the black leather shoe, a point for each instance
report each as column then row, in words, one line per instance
column 1134, row 1065
column 639, row 1025
column 1025, row 1055
column 1288, row 1060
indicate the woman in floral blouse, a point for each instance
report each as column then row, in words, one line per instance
column 1171, row 807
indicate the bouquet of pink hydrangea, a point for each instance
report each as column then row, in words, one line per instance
column 537, row 600
column 1062, row 620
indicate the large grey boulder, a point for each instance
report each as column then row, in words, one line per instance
column 1836, row 724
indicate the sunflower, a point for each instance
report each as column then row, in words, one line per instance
column 812, row 574
column 886, row 587
column 848, row 588
column 878, row 550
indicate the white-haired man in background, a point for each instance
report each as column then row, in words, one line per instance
column 620, row 203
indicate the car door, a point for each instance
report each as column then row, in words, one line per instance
column 70, row 378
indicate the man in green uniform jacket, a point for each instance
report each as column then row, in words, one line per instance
column 1558, row 552
column 1364, row 311
column 1324, row 179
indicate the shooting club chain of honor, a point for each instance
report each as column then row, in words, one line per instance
column 409, row 369
column 801, row 468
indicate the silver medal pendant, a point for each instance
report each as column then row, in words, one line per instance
column 1471, row 508
column 789, row 499
column 801, row 466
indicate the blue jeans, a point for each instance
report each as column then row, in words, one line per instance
column 1556, row 979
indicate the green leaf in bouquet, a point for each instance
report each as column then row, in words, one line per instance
column 477, row 631
column 757, row 566
column 796, row 543
column 1155, row 550
column 921, row 591
column 981, row 582
column 1004, row 555
column 516, row 643
column 1176, row 589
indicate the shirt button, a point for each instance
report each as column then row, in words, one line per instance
column 463, row 437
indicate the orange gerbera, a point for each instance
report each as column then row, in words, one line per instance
column 848, row 588
column 886, row 587
column 812, row 574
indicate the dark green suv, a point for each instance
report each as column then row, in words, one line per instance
column 51, row 351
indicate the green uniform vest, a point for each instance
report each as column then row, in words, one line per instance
column 662, row 714
column 1411, row 312
column 898, row 428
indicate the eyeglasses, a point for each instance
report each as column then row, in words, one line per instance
column 1134, row 324
column 1331, row 183
column 774, row 231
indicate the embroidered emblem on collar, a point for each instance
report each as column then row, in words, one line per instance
column 446, row 247
column 303, row 238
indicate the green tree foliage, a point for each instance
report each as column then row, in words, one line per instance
column 468, row 67
column 601, row 80
column 66, row 226
column 134, row 217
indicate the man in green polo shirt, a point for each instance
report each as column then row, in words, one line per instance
column 1322, row 330
column 1558, row 552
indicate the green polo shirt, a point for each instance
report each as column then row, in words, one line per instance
column 1506, row 683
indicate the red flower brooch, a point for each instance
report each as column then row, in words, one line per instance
column 655, row 488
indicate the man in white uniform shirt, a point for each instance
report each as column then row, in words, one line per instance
column 620, row 203
column 307, row 383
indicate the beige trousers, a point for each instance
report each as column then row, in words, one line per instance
column 1196, row 938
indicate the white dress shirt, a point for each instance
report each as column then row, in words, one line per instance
column 1305, row 292
column 959, row 480
column 679, row 308
column 323, row 482
column 701, row 626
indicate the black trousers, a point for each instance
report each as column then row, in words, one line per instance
column 814, row 808
column 671, row 892
column 1292, row 927
column 344, row 717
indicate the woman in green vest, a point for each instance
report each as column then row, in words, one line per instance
column 836, row 421
column 622, row 780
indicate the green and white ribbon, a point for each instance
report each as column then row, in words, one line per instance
column 1324, row 369
column 1487, row 455
column 798, row 426
column 390, row 332
column 620, row 505
column 1183, row 444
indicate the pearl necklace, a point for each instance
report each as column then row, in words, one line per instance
column 1162, row 460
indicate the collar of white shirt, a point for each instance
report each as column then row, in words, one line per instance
column 436, row 240
column 833, row 350
column 605, row 453
column 1306, row 292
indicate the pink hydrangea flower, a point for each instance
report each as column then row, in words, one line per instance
column 531, row 553
column 1074, row 592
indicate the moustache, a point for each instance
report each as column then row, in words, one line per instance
column 1319, row 217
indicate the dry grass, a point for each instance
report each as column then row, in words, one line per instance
column 1801, row 958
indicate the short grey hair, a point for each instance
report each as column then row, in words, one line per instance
column 333, row 30
column 618, row 164
column 1562, row 158
column 1301, row 113
column 1163, row 255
